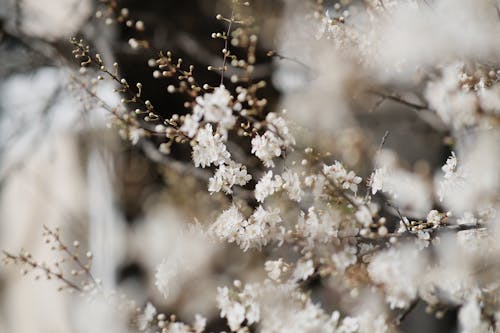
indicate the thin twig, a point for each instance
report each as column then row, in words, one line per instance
column 46, row 270
column 198, row 52
column 401, row 217
column 71, row 255
column 282, row 57
column 226, row 45
column 377, row 104
column 113, row 110
column 340, row 191
column 396, row 98
column 181, row 168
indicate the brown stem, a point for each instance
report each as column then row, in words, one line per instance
column 398, row 99
column 226, row 45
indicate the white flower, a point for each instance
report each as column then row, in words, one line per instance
column 200, row 323
column 165, row 272
column 303, row 270
column 228, row 225
column 364, row 216
column 371, row 322
column 318, row 227
column 409, row 190
column 344, row 258
column 209, row 148
column 266, row 147
column 423, row 239
column 216, row 107
column 377, row 180
column 342, row 178
column 291, row 183
column 450, row 167
column 135, row 134
column 248, row 299
column 399, row 270
column 146, row 317
column 349, row 325
column 434, row 217
column 260, row 228
column 255, row 232
column 276, row 138
column 190, row 125
column 456, row 106
column 238, row 306
column 274, row 268
column 267, row 186
column 324, row 26
column 351, row 181
column 233, row 311
column 454, row 178
column 178, row 328
column 228, row 175
column 281, row 307
column 470, row 320
column 278, row 124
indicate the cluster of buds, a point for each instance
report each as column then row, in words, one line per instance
column 112, row 13
column 165, row 66
column 79, row 277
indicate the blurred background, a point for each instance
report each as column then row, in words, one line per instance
column 60, row 165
